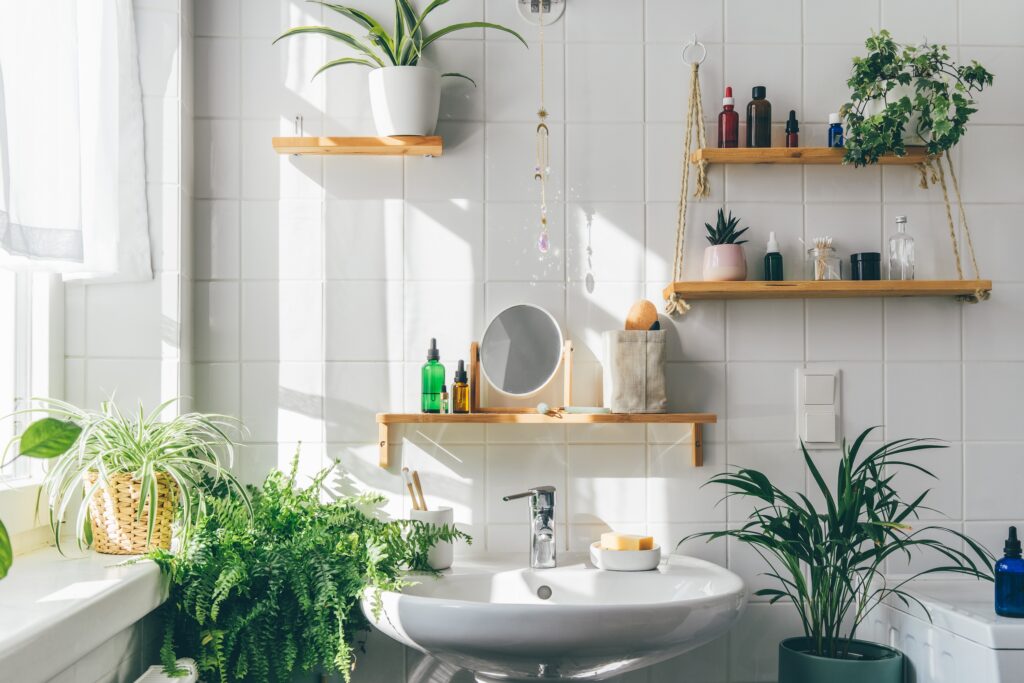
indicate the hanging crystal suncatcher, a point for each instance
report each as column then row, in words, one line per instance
column 540, row 172
column 542, row 169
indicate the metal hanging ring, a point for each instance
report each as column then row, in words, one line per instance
column 694, row 43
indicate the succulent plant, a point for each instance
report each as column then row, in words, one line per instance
column 725, row 231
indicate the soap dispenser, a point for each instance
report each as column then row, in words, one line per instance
column 432, row 380
column 773, row 260
column 1010, row 579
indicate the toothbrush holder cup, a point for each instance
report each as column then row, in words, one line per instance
column 440, row 556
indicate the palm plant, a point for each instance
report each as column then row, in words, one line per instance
column 402, row 47
column 829, row 562
column 88, row 448
column 724, row 231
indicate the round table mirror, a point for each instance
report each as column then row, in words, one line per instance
column 521, row 350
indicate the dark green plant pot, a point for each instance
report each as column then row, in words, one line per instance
column 868, row 662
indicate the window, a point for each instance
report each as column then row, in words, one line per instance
column 31, row 356
column 15, row 347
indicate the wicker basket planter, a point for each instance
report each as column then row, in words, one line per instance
column 112, row 514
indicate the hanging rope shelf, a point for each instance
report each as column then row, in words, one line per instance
column 932, row 173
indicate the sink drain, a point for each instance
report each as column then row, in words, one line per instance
column 544, row 592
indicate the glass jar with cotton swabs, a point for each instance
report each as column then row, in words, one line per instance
column 823, row 263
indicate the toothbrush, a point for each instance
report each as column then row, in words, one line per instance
column 408, row 485
column 419, row 490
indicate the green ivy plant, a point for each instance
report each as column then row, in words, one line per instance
column 724, row 231
column 403, row 46
column 829, row 559
column 941, row 96
column 257, row 601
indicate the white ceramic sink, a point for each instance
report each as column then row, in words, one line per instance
column 492, row 617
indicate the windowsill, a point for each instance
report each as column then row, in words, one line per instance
column 54, row 610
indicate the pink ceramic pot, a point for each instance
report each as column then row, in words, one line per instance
column 725, row 263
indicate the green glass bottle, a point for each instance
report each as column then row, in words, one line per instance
column 432, row 380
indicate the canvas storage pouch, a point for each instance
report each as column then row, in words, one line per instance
column 634, row 371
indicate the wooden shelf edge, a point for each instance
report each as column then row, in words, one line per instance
column 537, row 418
column 698, row 420
column 796, row 155
column 409, row 145
column 697, row 290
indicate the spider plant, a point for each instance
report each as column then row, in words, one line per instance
column 108, row 442
column 829, row 561
column 724, row 231
column 403, row 46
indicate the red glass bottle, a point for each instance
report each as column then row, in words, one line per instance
column 792, row 130
column 728, row 122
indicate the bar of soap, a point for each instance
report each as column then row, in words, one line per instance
column 613, row 540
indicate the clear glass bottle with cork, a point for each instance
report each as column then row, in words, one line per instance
column 901, row 252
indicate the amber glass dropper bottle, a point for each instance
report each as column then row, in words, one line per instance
column 759, row 119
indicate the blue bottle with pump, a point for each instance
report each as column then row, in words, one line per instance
column 1010, row 579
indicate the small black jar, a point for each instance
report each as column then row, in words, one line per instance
column 866, row 266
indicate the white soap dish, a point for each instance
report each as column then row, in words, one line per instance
column 625, row 560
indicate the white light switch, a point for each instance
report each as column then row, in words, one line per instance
column 820, row 427
column 819, row 390
column 818, row 408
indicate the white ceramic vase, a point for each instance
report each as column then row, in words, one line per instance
column 405, row 99
column 724, row 263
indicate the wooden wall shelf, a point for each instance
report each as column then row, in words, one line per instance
column 408, row 145
column 835, row 289
column 796, row 155
column 385, row 420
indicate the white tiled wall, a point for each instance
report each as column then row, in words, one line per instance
column 320, row 281
column 134, row 341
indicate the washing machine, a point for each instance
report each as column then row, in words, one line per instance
column 963, row 642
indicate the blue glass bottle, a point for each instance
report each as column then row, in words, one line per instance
column 1010, row 579
column 835, row 131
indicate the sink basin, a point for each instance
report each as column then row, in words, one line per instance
column 574, row 622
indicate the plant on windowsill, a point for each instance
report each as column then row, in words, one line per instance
column 138, row 474
column 43, row 440
column 259, row 601
column 724, row 260
column 829, row 559
column 908, row 93
column 405, row 94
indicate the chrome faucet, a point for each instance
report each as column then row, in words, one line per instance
column 542, row 525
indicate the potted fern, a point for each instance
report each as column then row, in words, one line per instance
column 258, row 598
column 137, row 473
column 829, row 560
column 405, row 93
column 724, row 260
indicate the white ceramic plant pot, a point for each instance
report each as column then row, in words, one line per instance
column 405, row 99
column 910, row 136
column 725, row 263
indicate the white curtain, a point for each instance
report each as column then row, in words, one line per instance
column 72, row 160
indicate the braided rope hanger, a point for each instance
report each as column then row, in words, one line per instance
column 931, row 171
column 676, row 305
